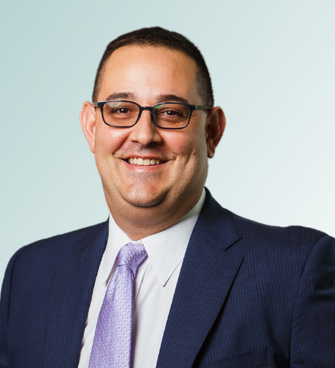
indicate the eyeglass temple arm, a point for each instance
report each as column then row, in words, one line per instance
column 202, row 107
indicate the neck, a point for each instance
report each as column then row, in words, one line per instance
column 140, row 222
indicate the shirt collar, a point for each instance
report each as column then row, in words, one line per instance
column 165, row 249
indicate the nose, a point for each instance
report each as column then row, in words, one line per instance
column 145, row 130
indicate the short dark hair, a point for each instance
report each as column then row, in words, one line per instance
column 160, row 37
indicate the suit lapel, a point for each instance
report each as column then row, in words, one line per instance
column 207, row 274
column 70, row 299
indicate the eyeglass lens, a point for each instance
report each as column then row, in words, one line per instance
column 121, row 113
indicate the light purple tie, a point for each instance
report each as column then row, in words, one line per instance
column 112, row 339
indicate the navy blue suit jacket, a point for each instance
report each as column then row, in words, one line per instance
column 248, row 296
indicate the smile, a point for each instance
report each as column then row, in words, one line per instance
column 143, row 162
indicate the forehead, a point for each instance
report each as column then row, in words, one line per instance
column 148, row 72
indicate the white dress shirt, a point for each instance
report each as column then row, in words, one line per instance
column 155, row 284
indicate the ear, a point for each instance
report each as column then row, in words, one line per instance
column 87, row 121
column 215, row 126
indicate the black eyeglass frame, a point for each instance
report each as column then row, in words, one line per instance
column 101, row 104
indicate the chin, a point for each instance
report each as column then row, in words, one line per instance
column 143, row 200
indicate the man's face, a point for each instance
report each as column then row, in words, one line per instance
column 148, row 75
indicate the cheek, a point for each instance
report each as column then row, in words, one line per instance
column 176, row 143
column 108, row 140
column 186, row 144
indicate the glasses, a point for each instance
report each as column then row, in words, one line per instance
column 166, row 115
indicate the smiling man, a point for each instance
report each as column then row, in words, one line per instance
column 154, row 171
column 171, row 279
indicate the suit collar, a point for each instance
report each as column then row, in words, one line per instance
column 208, row 271
column 71, row 293
column 206, row 277
column 216, row 224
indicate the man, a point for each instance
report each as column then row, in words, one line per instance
column 211, row 289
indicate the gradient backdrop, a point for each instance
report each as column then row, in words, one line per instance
column 272, row 65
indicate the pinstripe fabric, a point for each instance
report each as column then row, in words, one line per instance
column 248, row 296
column 252, row 291
column 54, row 280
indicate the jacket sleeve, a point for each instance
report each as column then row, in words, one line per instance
column 313, row 332
column 4, row 312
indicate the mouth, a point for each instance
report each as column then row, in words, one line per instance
column 144, row 161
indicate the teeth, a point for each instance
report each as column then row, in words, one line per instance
column 145, row 162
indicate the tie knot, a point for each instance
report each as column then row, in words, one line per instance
column 131, row 255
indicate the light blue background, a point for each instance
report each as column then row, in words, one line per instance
column 272, row 64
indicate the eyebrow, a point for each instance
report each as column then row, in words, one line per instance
column 132, row 96
column 166, row 98
column 122, row 95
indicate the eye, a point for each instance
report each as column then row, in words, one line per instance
column 121, row 110
column 170, row 112
column 120, row 113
